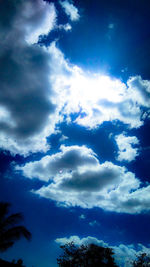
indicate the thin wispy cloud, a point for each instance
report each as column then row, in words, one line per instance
column 70, row 10
column 82, row 217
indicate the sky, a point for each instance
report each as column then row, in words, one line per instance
column 74, row 125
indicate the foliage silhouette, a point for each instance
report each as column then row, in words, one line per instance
column 10, row 231
column 86, row 256
column 142, row 260
column 4, row 263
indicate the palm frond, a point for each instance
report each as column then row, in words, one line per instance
column 10, row 221
column 5, row 245
column 9, row 230
column 4, row 208
column 16, row 233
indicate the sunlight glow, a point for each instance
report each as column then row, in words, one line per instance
column 85, row 90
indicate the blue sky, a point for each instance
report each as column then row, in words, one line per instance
column 74, row 120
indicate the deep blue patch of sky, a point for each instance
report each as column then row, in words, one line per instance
column 111, row 36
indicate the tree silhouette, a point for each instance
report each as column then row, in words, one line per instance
column 4, row 263
column 86, row 256
column 10, row 231
column 142, row 260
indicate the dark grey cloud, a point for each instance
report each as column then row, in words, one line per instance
column 69, row 160
column 26, row 92
column 91, row 180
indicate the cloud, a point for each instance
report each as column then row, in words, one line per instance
column 80, row 241
column 70, row 10
column 26, row 104
column 127, row 150
column 70, row 159
column 39, row 18
column 96, row 98
column 82, row 217
column 111, row 26
column 76, row 178
column 40, row 87
column 139, row 90
column 63, row 138
column 66, row 27
column 24, row 21
column 93, row 223
column 124, row 254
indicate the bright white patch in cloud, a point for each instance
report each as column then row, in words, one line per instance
column 70, row 10
column 78, row 179
column 124, row 254
column 127, row 150
column 97, row 98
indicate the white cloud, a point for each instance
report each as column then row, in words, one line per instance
column 39, row 87
column 78, row 179
column 63, row 138
column 127, row 150
column 70, row 10
column 80, row 241
column 38, row 18
column 139, row 90
column 124, row 254
column 97, row 98
column 66, row 27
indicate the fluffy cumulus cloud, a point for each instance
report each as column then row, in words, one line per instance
column 76, row 178
column 127, row 150
column 22, row 21
column 81, row 241
column 29, row 108
column 124, row 254
column 69, row 160
column 70, row 10
column 40, row 88
column 140, row 90
column 26, row 104
column 96, row 98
